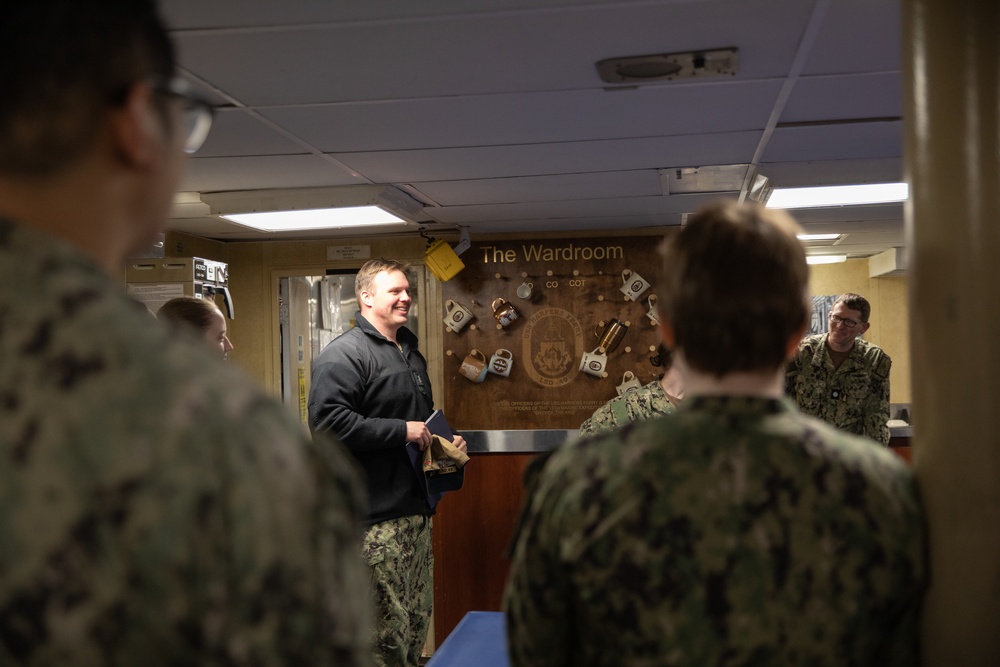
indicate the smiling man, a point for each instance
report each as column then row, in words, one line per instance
column 370, row 387
column 841, row 378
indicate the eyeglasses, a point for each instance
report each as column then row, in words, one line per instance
column 197, row 110
column 850, row 324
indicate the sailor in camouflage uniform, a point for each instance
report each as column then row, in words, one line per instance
column 638, row 404
column 735, row 530
column 841, row 378
column 155, row 507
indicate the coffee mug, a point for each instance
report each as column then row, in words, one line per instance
column 524, row 290
column 473, row 367
column 594, row 363
column 633, row 285
column 610, row 334
column 653, row 314
column 503, row 311
column 457, row 315
column 501, row 362
column 629, row 381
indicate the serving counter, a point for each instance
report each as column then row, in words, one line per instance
column 534, row 441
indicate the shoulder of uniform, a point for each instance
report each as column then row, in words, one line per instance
column 875, row 357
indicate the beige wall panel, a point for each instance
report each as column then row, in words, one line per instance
column 889, row 299
column 890, row 328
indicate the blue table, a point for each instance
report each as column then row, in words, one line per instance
column 479, row 640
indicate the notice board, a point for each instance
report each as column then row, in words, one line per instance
column 532, row 310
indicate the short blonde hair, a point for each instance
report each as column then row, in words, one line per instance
column 373, row 267
column 189, row 311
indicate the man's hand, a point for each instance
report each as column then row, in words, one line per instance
column 459, row 443
column 418, row 433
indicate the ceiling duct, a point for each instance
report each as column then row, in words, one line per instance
column 713, row 178
column 669, row 66
column 892, row 262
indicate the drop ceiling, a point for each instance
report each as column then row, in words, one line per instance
column 493, row 116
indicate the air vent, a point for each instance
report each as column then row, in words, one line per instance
column 669, row 66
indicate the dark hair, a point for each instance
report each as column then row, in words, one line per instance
column 856, row 302
column 189, row 311
column 736, row 288
column 373, row 267
column 64, row 63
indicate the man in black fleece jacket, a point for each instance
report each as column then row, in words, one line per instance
column 370, row 388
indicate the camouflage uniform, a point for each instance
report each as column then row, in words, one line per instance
column 634, row 405
column 401, row 557
column 854, row 397
column 733, row 531
column 155, row 507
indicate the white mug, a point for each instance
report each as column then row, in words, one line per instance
column 653, row 314
column 457, row 316
column 629, row 381
column 594, row 363
column 633, row 285
column 524, row 290
column 501, row 362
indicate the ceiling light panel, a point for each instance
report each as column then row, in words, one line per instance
column 838, row 195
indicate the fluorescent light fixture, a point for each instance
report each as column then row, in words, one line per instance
column 316, row 218
column 817, row 237
column 349, row 206
column 838, row 195
column 826, row 259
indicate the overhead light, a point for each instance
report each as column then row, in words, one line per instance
column 817, row 237
column 838, row 195
column 316, row 218
column 825, row 259
column 315, row 208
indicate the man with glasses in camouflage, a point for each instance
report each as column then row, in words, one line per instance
column 841, row 378
column 156, row 508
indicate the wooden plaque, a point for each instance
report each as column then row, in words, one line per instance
column 533, row 309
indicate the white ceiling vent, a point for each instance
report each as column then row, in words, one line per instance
column 892, row 262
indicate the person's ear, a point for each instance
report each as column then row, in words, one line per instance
column 792, row 345
column 366, row 298
column 865, row 326
column 137, row 128
column 667, row 333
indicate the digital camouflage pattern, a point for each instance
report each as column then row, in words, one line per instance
column 854, row 397
column 155, row 508
column 734, row 531
column 400, row 555
column 637, row 404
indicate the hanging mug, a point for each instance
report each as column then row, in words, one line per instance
column 524, row 290
column 504, row 312
column 629, row 381
column 456, row 315
column 473, row 367
column 653, row 314
column 611, row 334
column 633, row 285
column 594, row 363
column 501, row 362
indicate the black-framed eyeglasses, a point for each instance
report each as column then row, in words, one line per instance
column 197, row 110
column 836, row 319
